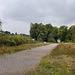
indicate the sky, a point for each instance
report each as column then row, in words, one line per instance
column 17, row 15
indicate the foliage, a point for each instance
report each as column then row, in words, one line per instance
column 55, row 33
column 72, row 33
column 42, row 32
column 7, row 32
column 14, row 40
column 48, row 33
column 63, row 32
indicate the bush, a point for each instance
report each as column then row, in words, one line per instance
column 14, row 40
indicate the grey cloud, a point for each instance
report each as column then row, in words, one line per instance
column 36, row 10
column 57, row 12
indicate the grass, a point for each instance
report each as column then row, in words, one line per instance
column 61, row 61
column 13, row 49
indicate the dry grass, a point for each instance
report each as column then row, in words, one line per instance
column 61, row 61
column 13, row 49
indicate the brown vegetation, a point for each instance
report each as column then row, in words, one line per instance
column 61, row 61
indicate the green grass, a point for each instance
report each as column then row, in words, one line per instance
column 13, row 49
column 61, row 61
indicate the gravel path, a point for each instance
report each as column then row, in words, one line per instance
column 24, row 61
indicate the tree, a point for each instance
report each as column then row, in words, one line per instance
column 63, row 32
column 72, row 33
column 55, row 33
column 50, row 38
column 42, row 32
column 48, row 33
column 7, row 32
column 35, row 30
column 16, row 33
column 49, row 28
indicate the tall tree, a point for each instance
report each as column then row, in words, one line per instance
column 35, row 30
column 49, row 28
column 72, row 33
column 63, row 32
column 42, row 32
column 55, row 33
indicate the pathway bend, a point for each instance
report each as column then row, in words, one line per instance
column 24, row 61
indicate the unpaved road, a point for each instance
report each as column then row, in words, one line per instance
column 24, row 61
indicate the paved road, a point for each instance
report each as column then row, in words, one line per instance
column 24, row 61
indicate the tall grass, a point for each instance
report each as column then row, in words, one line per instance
column 13, row 49
column 61, row 61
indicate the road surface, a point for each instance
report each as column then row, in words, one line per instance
column 22, row 62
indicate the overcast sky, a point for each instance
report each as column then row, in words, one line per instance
column 17, row 15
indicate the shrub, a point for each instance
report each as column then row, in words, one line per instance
column 14, row 40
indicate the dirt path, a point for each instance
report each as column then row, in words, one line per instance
column 24, row 61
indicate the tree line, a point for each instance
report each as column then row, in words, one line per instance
column 49, row 33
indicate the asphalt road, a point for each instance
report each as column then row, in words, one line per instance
column 22, row 62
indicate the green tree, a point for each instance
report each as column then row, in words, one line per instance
column 72, row 33
column 50, row 38
column 49, row 28
column 63, row 32
column 42, row 32
column 6, row 32
column 35, row 30
column 55, row 33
